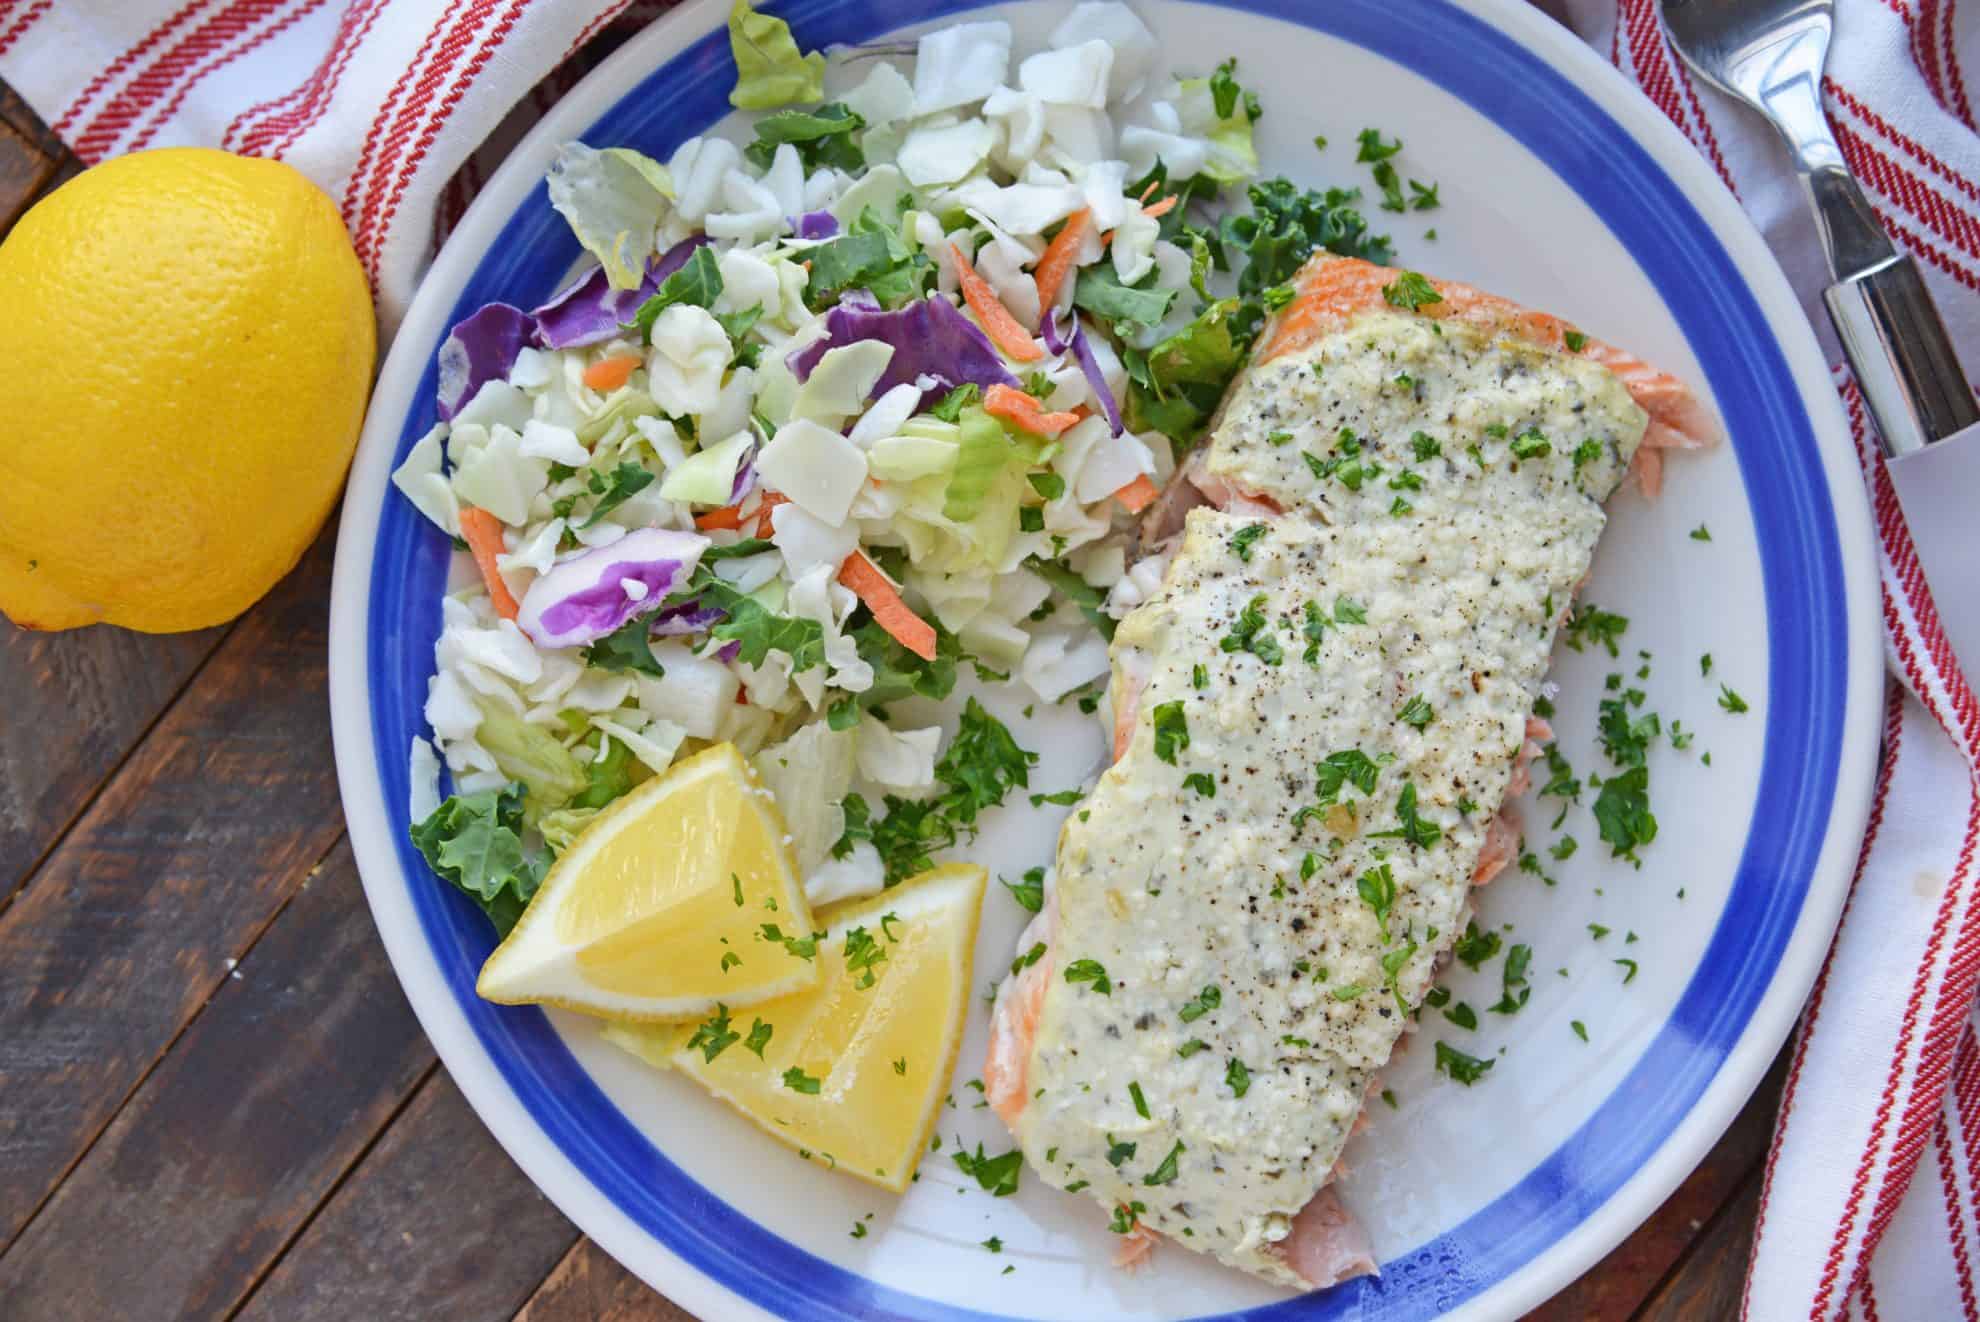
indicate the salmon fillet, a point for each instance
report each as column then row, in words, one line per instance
column 1334, row 468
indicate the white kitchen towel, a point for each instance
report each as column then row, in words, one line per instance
column 1872, row 1203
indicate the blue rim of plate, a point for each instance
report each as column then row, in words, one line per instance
column 1805, row 609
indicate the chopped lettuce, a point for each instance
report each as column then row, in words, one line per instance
column 985, row 450
column 614, row 200
column 698, row 283
column 770, row 69
column 532, row 756
column 824, row 138
column 1176, row 386
column 1129, row 309
column 474, row 842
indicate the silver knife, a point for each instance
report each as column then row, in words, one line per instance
column 1769, row 54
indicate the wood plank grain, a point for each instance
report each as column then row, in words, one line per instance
column 1619, row 1284
column 435, row 1222
column 589, row 1285
column 192, row 847
column 1707, row 1287
column 269, row 1097
column 77, row 702
column 24, row 170
column 19, row 115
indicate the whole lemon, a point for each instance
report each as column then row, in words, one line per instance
column 189, row 343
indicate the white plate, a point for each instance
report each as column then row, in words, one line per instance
column 1562, row 188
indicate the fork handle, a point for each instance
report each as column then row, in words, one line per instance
column 1902, row 356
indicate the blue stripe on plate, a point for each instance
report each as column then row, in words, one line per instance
column 1807, row 631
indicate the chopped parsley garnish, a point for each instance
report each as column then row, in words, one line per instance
column 1410, row 826
column 1242, row 539
column 731, row 960
column 1393, row 962
column 1563, row 848
column 1061, row 799
column 1191, row 1047
column 1731, row 701
column 1374, row 149
column 1238, row 1077
column 1597, row 931
column 1580, row 1030
column 713, row 1036
column 800, row 947
column 1347, row 991
column 1705, row 664
column 798, row 1081
column 1348, row 767
column 1587, row 453
column 1171, row 730
column 1346, row 463
column 1423, row 197
column 1029, row 892
column 1400, row 507
column 1407, row 480
column 900, row 1068
column 994, row 1244
column 997, row 1174
column 982, row 765
column 1140, row 1102
column 1278, row 438
column 759, row 1037
column 1349, row 611
column 1166, row 1172
column 1628, row 967
column 1416, row 712
column 1028, row 958
column 1199, row 676
column 1590, row 623
column 1625, row 739
column 1701, row 534
column 862, row 953
column 859, row 1230
column 1412, row 291
column 1463, row 1016
column 1202, row 1003
column 1530, row 444
column 1126, row 1217
column 1252, row 633
column 1466, row 1069
column 1118, row 1152
column 1202, row 782
column 1424, row 446
column 1314, row 631
column 1622, row 813
column 1377, row 888
column 1574, row 340
column 1476, row 946
column 1090, row 971
column 1515, row 992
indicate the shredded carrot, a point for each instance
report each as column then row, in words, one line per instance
column 1002, row 328
column 1024, row 411
column 1162, row 207
column 483, row 533
column 1134, row 497
column 889, row 611
column 771, row 500
column 1153, row 184
column 1060, row 254
column 611, row 373
column 728, row 518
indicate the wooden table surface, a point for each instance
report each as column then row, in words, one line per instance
column 214, row 1100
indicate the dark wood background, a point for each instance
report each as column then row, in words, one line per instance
column 214, row 1101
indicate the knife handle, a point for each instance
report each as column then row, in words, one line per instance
column 1902, row 356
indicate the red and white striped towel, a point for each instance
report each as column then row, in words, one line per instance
column 1871, row 1205
column 1872, row 1199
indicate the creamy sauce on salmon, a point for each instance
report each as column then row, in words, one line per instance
column 1329, row 708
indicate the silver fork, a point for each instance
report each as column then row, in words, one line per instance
column 1769, row 54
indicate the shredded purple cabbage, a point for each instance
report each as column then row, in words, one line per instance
column 1048, row 330
column 688, row 618
column 482, row 348
column 585, row 598
column 1091, row 366
column 817, row 225
column 930, row 338
column 590, row 311
column 745, row 477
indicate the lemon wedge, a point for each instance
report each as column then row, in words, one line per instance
column 851, row 1072
column 658, row 910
